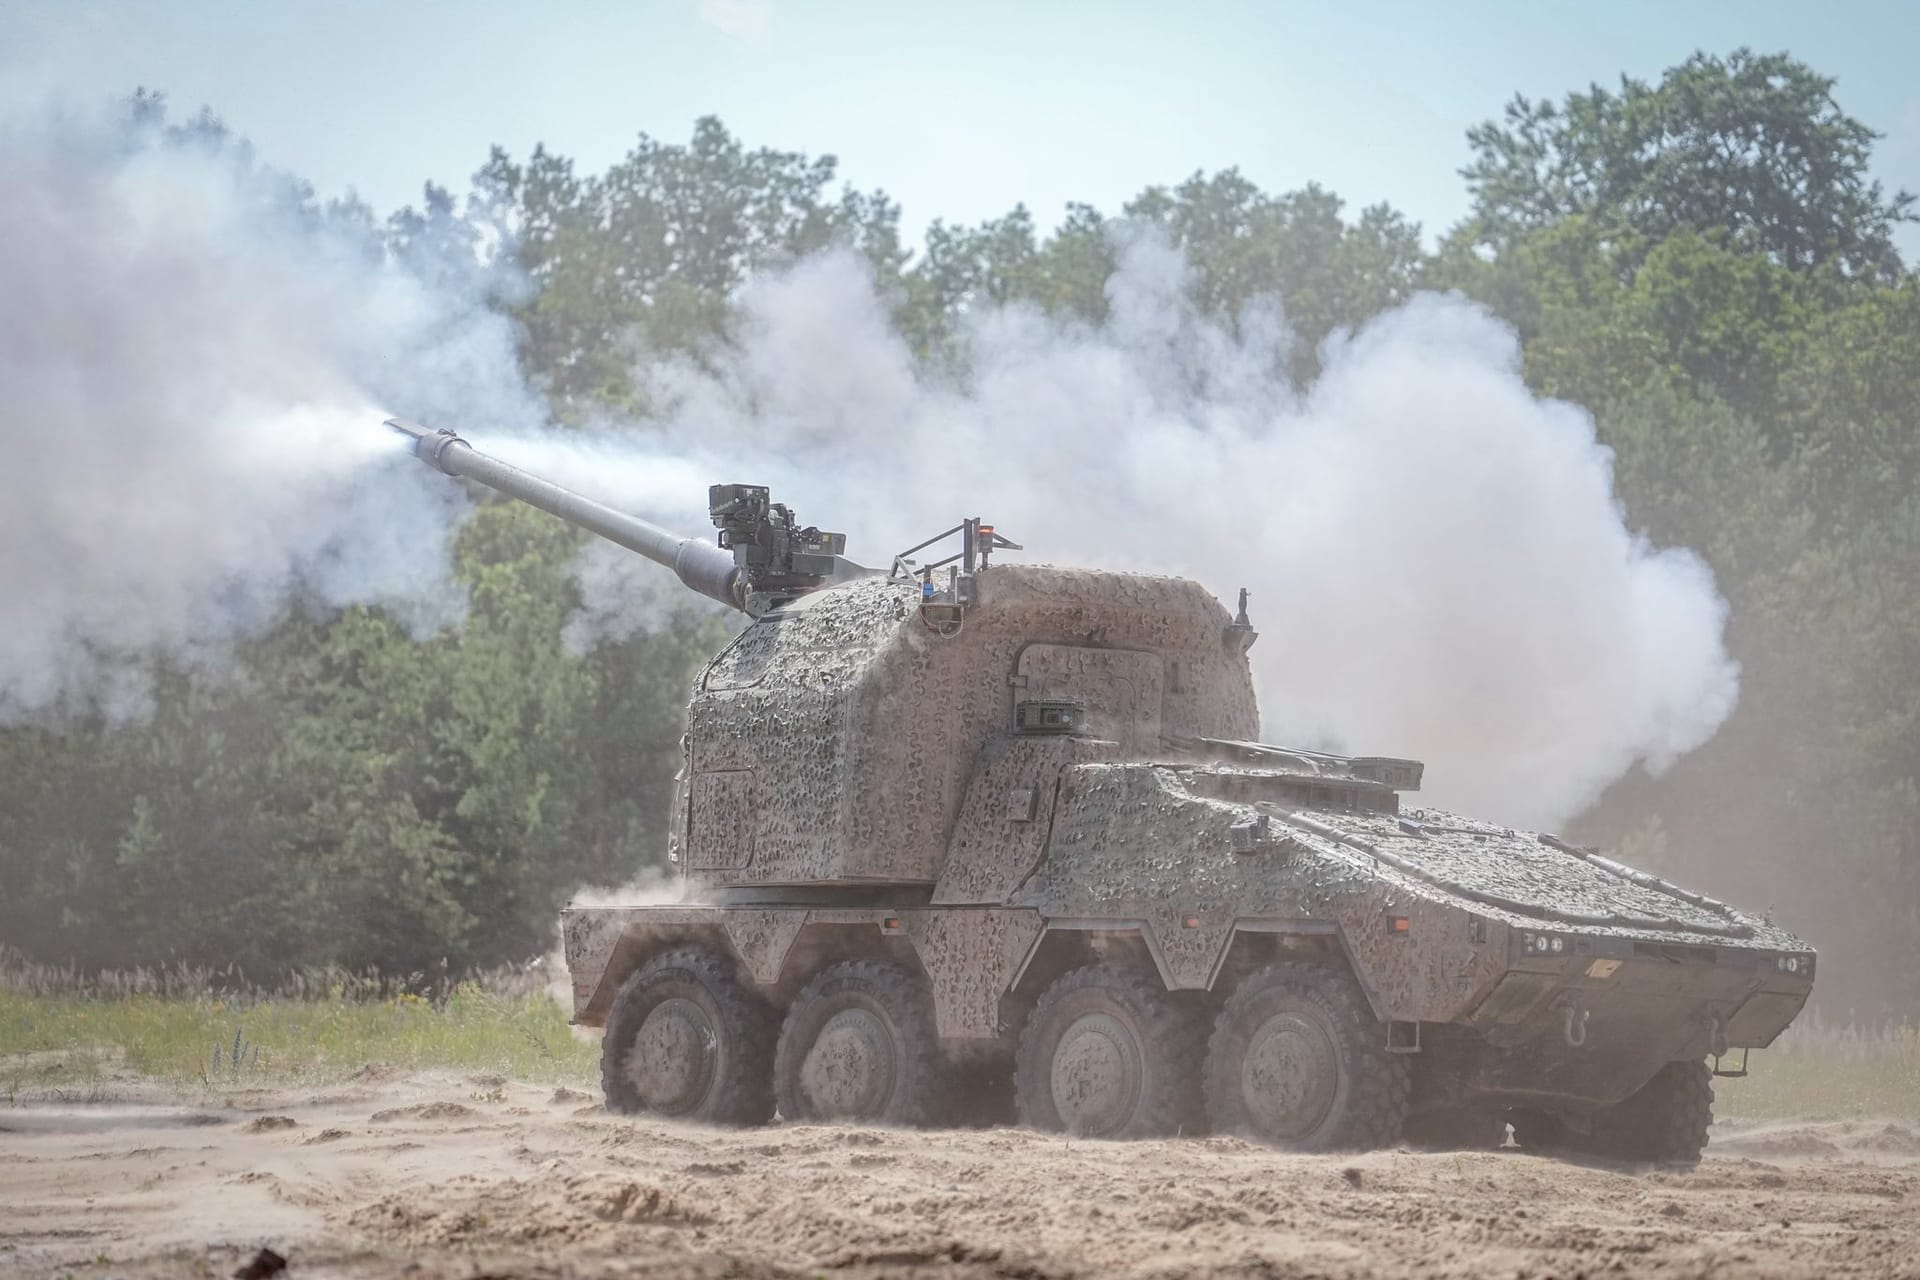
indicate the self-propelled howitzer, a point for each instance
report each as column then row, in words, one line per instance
column 967, row 822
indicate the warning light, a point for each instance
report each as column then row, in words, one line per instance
column 1190, row 922
column 1401, row 924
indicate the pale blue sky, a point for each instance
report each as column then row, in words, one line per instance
column 958, row 110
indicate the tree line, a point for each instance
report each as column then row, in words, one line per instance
column 1703, row 261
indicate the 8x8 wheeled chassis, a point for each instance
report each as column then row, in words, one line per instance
column 939, row 830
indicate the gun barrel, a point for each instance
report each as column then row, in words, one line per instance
column 701, row 565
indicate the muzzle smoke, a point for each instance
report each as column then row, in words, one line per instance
column 1438, row 564
column 193, row 356
column 195, row 360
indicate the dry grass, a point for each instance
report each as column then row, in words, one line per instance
column 1819, row 1069
column 21, row 976
column 71, row 1033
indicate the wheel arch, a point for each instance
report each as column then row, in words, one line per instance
column 775, row 950
column 635, row 944
column 1067, row 943
column 1244, row 946
column 818, row 945
column 1257, row 943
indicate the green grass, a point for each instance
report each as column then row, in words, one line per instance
column 68, row 1042
column 1817, row 1072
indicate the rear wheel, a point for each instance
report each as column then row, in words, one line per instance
column 1109, row 1053
column 1666, row 1122
column 685, row 1040
column 859, row 1043
column 1298, row 1060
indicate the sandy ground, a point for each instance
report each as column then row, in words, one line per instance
column 443, row 1175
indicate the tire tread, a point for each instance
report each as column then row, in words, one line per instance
column 744, row 1094
column 909, row 1006
column 1665, row 1122
column 1375, row 1113
column 1171, row 1029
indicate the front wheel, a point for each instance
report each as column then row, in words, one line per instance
column 1665, row 1122
column 686, row 1040
column 1298, row 1060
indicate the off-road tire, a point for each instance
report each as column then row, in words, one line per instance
column 1310, row 1030
column 1117, row 1043
column 712, row 1039
column 880, row 1060
column 1665, row 1122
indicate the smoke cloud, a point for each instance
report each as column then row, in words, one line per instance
column 1438, row 565
column 194, row 358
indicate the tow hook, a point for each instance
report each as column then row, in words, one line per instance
column 1575, row 1027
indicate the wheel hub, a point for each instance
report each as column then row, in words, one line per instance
column 1096, row 1076
column 674, row 1057
column 1289, row 1076
column 849, row 1071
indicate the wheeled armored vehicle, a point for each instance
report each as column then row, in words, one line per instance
column 961, row 820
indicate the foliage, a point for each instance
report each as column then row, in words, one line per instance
column 362, row 796
column 1246, row 249
column 1001, row 261
column 1752, row 145
column 1246, row 246
column 643, row 257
